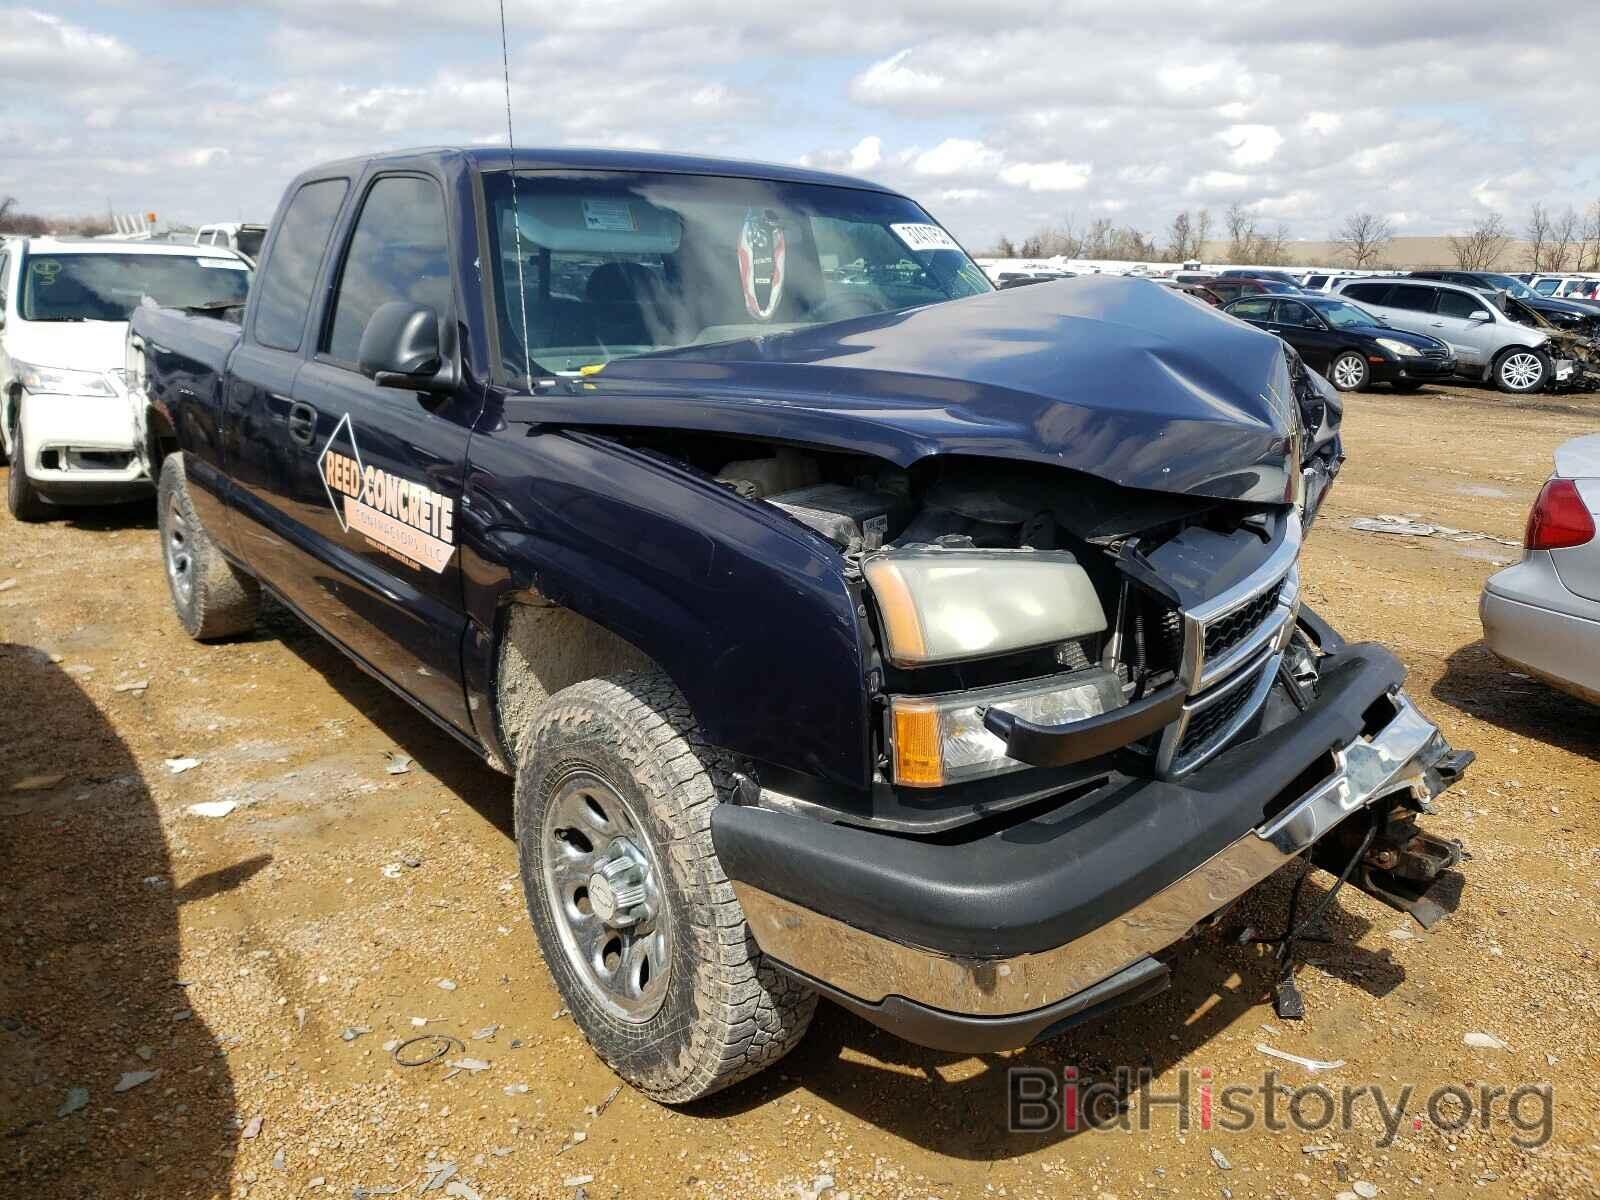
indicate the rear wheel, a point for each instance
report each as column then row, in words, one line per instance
column 21, row 497
column 638, row 924
column 212, row 597
column 1520, row 370
column 1349, row 372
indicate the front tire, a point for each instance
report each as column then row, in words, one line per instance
column 1520, row 371
column 212, row 597
column 22, row 498
column 1349, row 372
column 637, row 921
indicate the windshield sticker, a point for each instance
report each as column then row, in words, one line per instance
column 612, row 216
column 400, row 517
column 46, row 269
column 924, row 237
column 762, row 254
column 223, row 264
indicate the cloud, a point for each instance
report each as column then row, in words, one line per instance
column 1055, row 176
column 868, row 153
column 1010, row 115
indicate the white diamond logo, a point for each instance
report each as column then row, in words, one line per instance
column 322, row 466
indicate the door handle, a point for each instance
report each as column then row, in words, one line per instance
column 302, row 423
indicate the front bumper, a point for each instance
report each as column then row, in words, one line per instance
column 993, row 941
column 1413, row 370
column 81, row 450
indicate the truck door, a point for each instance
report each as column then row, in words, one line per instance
column 379, row 484
column 258, row 452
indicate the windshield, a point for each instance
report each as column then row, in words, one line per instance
column 1515, row 286
column 603, row 265
column 108, row 287
column 1343, row 315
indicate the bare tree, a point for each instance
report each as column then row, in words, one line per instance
column 1202, row 231
column 1481, row 248
column 1004, row 249
column 1537, row 234
column 1564, row 237
column 1180, row 238
column 1363, row 237
column 7, row 203
column 1241, row 233
column 1589, row 247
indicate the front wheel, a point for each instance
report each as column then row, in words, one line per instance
column 212, row 597
column 1349, row 372
column 1520, row 371
column 638, row 924
column 22, row 498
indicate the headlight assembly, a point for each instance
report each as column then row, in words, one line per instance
column 1399, row 349
column 941, row 605
column 939, row 740
column 58, row 381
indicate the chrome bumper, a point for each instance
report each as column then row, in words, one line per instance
column 871, row 967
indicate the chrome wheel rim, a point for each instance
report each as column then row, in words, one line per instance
column 603, row 886
column 180, row 554
column 1521, row 371
column 1349, row 371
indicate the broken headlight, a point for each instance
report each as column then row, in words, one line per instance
column 939, row 605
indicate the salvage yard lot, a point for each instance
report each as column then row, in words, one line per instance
column 259, row 962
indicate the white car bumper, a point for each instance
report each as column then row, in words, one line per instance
column 81, row 449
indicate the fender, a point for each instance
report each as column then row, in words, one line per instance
column 723, row 594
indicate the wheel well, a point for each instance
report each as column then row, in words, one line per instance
column 541, row 649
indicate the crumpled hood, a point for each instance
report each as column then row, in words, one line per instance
column 1119, row 378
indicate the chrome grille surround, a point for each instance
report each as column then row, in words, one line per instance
column 1247, row 628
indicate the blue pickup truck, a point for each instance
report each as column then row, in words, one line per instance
column 851, row 627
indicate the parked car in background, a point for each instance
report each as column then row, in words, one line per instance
column 1199, row 291
column 1324, row 283
column 1226, row 287
column 1542, row 615
column 1352, row 347
column 1578, row 287
column 66, row 420
column 1488, row 344
column 1260, row 273
column 1574, row 316
column 243, row 239
column 1011, row 279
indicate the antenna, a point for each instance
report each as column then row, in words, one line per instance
column 516, row 217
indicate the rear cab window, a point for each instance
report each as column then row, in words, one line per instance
column 284, row 289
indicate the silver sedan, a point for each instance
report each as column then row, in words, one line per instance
column 1543, row 614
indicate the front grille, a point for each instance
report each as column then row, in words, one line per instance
column 1224, row 633
column 1206, row 725
column 1437, row 353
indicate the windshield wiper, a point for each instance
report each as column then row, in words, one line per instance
column 54, row 320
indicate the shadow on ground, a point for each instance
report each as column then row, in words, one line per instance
column 89, row 978
column 1484, row 686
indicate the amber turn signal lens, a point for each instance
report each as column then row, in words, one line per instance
column 918, row 753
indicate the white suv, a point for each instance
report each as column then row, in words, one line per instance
column 1488, row 344
column 67, row 423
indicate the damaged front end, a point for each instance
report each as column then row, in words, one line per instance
column 1070, row 522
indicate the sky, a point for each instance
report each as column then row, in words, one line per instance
column 999, row 116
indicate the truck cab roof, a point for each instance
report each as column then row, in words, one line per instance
column 557, row 158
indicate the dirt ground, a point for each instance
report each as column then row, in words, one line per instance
column 258, row 963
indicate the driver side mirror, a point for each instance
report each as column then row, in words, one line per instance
column 400, row 348
column 1480, row 314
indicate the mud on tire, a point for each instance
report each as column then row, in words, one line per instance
column 724, row 1012
column 212, row 597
